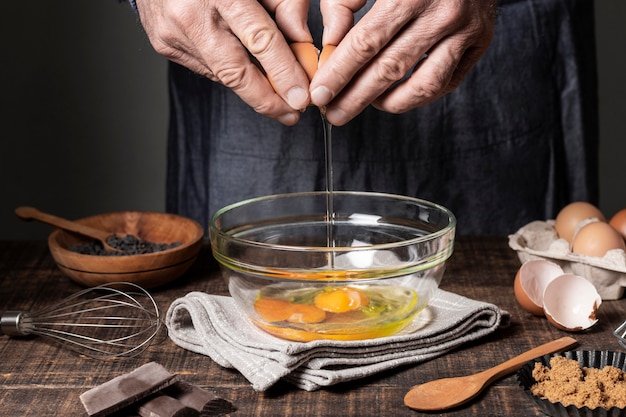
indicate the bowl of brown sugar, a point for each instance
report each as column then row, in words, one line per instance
column 577, row 383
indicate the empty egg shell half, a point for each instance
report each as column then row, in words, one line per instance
column 570, row 303
column 531, row 281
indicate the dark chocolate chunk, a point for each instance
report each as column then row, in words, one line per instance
column 165, row 406
column 205, row 402
column 126, row 389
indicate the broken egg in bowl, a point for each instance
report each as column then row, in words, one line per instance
column 364, row 271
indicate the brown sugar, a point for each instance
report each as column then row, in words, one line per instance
column 565, row 381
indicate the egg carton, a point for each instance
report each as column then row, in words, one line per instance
column 539, row 240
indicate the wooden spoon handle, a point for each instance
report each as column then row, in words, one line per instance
column 31, row 213
column 517, row 362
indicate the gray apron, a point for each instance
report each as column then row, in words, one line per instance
column 514, row 143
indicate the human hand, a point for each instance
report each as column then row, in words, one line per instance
column 390, row 39
column 217, row 39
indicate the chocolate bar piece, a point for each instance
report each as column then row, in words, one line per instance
column 165, row 406
column 126, row 389
column 204, row 402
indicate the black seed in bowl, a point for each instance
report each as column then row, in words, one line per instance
column 127, row 245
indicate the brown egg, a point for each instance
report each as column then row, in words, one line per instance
column 326, row 51
column 307, row 55
column 618, row 221
column 571, row 215
column 596, row 239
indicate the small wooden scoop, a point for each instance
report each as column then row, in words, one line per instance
column 31, row 213
column 446, row 393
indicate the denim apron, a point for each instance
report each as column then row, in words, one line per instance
column 514, row 143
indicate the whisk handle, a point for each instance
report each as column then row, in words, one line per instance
column 14, row 323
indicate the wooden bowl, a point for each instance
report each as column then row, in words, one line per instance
column 147, row 270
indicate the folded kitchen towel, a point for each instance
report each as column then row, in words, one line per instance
column 215, row 326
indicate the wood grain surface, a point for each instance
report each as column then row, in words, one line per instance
column 42, row 379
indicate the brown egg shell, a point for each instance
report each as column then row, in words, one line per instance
column 571, row 302
column 307, row 55
column 530, row 282
column 523, row 299
column 325, row 54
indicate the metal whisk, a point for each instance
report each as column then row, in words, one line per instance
column 110, row 320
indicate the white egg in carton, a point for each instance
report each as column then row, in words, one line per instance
column 539, row 240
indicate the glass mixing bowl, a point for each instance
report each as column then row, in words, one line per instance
column 365, row 271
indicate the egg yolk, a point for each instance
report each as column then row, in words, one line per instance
column 341, row 300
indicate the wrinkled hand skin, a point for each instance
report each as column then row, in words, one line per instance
column 387, row 42
column 229, row 41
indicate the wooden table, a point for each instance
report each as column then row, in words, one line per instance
column 42, row 379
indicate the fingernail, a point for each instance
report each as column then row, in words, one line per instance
column 288, row 119
column 321, row 96
column 337, row 116
column 297, row 98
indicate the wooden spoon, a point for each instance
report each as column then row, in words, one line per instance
column 31, row 213
column 445, row 393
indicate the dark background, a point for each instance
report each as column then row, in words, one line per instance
column 84, row 111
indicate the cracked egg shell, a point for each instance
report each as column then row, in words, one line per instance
column 325, row 53
column 570, row 303
column 307, row 55
column 531, row 280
